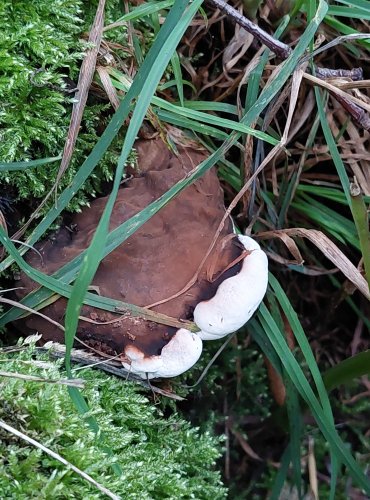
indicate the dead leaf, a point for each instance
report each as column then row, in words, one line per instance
column 246, row 447
column 108, row 86
column 83, row 86
column 331, row 252
column 236, row 48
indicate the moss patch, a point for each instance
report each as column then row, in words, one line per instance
column 39, row 64
column 160, row 457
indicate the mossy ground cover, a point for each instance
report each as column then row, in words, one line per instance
column 160, row 456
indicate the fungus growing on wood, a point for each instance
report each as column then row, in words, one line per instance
column 236, row 298
column 154, row 264
column 176, row 357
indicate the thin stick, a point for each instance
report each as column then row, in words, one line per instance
column 32, row 311
column 58, row 457
column 77, row 382
column 355, row 74
column 350, row 103
column 279, row 48
column 363, row 84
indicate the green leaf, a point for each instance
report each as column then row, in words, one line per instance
column 347, row 370
column 144, row 10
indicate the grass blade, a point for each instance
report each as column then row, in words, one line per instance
column 282, row 474
column 295, row 373
column 347, row 370
column 360, row 216
column 24, row 165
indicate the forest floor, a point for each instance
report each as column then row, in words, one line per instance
column 287, row 128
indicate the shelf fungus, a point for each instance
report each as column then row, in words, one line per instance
column 154, row 264
column 236, row 298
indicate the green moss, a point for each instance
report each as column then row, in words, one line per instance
column 40, row 55
column 33, row 37
column 160, row 457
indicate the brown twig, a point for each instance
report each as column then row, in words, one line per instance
column 354, row 106
column 360, row 117
column 279, row 48
column 355, row 74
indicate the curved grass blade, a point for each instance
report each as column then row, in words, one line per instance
column 282, row 474
column 197, row 116
column 259, row 336
column 176, row 66
column 360, row 216
column 295, row 430
column 291, row 403
column 215, row 120
column 192, row 125
column 303, row 343
column 299, row 380
column 332, row 146
column 347, row 192
column 144, row 10
column 25, row 165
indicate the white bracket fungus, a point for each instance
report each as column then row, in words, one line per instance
column 236, row 298
column 235, row 301
column 154, row 263
column 178, row 356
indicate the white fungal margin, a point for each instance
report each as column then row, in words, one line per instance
column 234, row 303
column 236, row 298
column 178, row 356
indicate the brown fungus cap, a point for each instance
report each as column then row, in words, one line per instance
column 152, row 264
